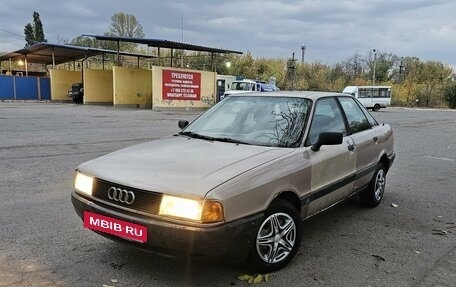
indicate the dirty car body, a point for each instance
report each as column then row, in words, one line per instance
column 240, row 178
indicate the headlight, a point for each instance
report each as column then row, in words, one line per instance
column 83, row 183
column 205, row 211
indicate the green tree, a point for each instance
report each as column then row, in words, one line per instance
column 34, row 32
column 244, row 66
column 449, row 94
column 125, row 25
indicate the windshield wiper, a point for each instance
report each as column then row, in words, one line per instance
column 199, row 136
column 196, row 135
column 230, row 140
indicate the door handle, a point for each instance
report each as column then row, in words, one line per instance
column 351, row 147
column 375, row 139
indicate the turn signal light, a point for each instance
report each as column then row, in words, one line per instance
column 212, row 212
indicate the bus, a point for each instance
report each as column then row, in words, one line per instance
column 372, row 97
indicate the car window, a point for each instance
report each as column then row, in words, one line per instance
column 370, row 118
column 327, row 118
column 266, row 121
column 357, row 121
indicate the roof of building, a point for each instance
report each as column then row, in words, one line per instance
column 47, row 53
column 160, row 43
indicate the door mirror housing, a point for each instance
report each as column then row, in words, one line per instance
column 182, row 124
column 328, row 138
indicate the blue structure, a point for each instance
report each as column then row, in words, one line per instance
column 24, row 88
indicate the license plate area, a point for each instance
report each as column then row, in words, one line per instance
column 114, row 226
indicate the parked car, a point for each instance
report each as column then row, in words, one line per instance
column 77, row 93
column 240, row 178
column 248, row 86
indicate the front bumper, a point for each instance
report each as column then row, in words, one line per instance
column 233, row 239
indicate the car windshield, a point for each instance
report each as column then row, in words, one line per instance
column 241, row 86
column 255, row 120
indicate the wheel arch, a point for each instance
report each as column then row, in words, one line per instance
column 291, row 197
column 385, row 161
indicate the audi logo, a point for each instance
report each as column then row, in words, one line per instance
column 121, row 195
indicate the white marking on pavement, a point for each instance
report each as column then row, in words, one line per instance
column 440, row 158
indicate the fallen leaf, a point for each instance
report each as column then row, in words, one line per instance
column 104, row 285
column 417, row 252
column 244, row 277
column 266, row 278
column 394, row 205
column 258, row 279
column 439, row 232
column 251, row 280
column 439, row 216
column 114, row 281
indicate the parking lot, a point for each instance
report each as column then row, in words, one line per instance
column 409, row 240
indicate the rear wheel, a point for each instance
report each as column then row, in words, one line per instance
column 376, row 188
column 278, row 238
column 376, row 108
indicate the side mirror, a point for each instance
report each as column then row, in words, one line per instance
column 329, row 138
column 182, row 124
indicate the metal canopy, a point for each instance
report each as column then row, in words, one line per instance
column 46, row 53
column 159, row 43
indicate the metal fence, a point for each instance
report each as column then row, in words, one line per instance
column 24, row 88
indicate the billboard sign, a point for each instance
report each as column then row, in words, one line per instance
column 181, row 85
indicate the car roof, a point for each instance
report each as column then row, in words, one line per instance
column 312, row 95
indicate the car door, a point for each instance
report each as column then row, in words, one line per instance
column 365, row 139
column 333, row 166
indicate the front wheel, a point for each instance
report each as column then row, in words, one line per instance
column 278, row 238
column 376, row 188
column 79, row 99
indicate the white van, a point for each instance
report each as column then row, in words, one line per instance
column 372, row 97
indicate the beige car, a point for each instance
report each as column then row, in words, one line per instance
column 240, row 178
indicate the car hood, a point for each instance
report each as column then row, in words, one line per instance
column 180, row 165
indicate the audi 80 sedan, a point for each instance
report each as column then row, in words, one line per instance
column 239, row 179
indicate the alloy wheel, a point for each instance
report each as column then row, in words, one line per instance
column 276, row 238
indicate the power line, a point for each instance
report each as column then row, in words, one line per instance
column 12, row 33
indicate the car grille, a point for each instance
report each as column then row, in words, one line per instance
column 145, row 201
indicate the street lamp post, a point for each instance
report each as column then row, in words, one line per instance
column 375, row 62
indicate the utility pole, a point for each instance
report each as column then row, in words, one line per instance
column 290, row 78
column 375, row 62
column 303, row 51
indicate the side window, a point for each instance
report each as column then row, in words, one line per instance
column 327, row 118
column 357, row 121
column 369, row 117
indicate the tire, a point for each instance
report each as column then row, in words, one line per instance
column 376, row 108
column 277, row 239
column 376, row 188
column 79, row 99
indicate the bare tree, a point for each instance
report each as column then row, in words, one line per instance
column 125, row 25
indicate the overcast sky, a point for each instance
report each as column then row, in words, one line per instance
column 332, row 30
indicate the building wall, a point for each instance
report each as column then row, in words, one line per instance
column 61, row 82
column 132, row 87
column 98, row 87
column 206, row 95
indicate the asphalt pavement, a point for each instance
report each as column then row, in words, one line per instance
column 409, row 240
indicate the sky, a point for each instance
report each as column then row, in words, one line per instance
column 331, row 30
